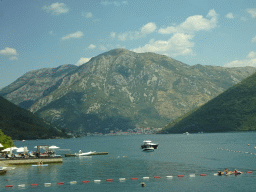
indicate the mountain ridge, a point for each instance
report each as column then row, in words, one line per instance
column 232, row 110
column 121, row 89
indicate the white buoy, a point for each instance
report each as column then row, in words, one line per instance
column 192, row 175
column 96, row 181
column 215, row 174
column 73, row 182
column 169, row 177
column 21, row 185
column 122, row 179
column 145, row 177
column 47, row 184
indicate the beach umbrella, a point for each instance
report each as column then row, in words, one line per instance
column 7, row 149
column 53, row 147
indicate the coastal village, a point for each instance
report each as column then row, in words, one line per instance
column 136, row 131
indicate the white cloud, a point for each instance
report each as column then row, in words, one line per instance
column 178, row 44
column 82, row 60
column 92, row 46
column 87, row 15
column 252, row 12
column 56, row 8
column 252, row 54
column 77, row 34
column 131, row 35
column 8, row 51
column 148, row 28
column 230, row 15
column 103, row 48
column 254, row 39
column 250, row 61
column 116, row 3
column 13, row 58
column 192, row 24
column 112, row 34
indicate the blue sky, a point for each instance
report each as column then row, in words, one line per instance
column 45, row 33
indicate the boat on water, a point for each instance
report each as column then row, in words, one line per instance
column 149, row 144
column 84, row 154
column 2, row 170
column 43, row 165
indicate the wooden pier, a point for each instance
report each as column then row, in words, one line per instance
column 24, row 161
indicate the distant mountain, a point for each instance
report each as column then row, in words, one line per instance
column 233, row 110
column 21, row 124
column 120, row 89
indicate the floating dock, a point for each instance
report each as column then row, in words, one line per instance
column 96, row 153
column 31, row 161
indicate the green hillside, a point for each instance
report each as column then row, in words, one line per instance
column 233, row 110
column 21, row 124
column 5, row 140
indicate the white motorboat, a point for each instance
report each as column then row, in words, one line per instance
column 148, row 143
column 84, row 154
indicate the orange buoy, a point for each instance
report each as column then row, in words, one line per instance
column 180, row 175
column 134, row 178
column 109, row 179
column 249, row 172
column 202, row 174
column 157, row 177
column 85, row 181
column 9, row 186
column 60, row 183
column 33, row 184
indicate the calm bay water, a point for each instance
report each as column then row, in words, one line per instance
column 177, row 155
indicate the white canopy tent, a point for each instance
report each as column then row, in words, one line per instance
column 10, row 149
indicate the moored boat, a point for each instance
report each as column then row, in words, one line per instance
column 2, row 171
column 85, row 154
column 148, row 143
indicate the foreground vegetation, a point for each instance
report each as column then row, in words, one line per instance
column 21, row 124
column 233, row 110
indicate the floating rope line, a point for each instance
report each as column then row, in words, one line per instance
column 111, row 180
column 237, row 151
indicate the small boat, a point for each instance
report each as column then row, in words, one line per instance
column 2, row 171
column 149, row 149
column 148, row 143
column 43, row 165
column 85, row 154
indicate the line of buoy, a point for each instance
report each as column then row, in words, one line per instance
column 109, row 180
column 237, row 151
